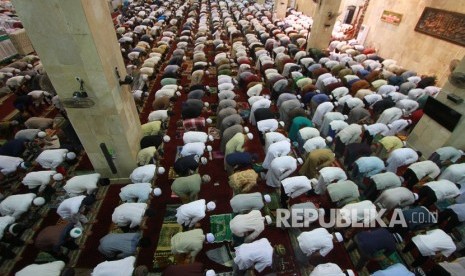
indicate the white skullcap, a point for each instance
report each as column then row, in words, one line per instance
column 331, row 97
column 211, row 138
column 313, row 180
column 178, row 93
column 268, row 219
column 281, row 123
column 211, row 206
column 206, row 178
column 9, row 75
column 210, row 272
column 335, row 103
column 146, row 94
column 38, row 201
column 401, row 179
column 157, row 192
column 14, row 123
column 299, row 97
column 462, row 152
column 166, row 138
column 184, row 58
column 350, row 272
column 206, row 104
column 29, row 66
column 27, row 77
column 409, row 122
column 250, row 136
column 267, row 198
column 203, row 160
column 58, row 177
column 339, row 237
column 300, row 161
column 123, row 50
column 329, row 139
column 415, row 196
column 210, row 237
column 207, row 87
column 405, row 143
column 209, row 121
column 267, row 97
column 209, row 148
column 246, row 129
column 23, row 165
column 161, row 170
column 145, row 77
column 41, row 134
column 76, row 232
column 365, row 126
column 70, row 156
column 346, row 117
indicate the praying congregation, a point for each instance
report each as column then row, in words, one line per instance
column 220, row 137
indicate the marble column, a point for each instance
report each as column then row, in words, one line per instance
column 428, row 135
column 324, row 18
column 77, row 39
column 280, row 7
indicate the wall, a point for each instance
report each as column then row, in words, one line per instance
column 419, row 52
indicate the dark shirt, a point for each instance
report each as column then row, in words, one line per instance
column 151, row 141
column 184, row 164
column 52, row 237
column 239, row 159
column 13, row 148
column 382, row 105
column 263, row 114
column 374, row 241
column 418, row 218
column 194, row 269
column 320, row 98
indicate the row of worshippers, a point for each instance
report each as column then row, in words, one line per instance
column 398, row 159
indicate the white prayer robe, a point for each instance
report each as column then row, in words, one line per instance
column 195, row 136
column 50, row 159
column 16, row 205
column 47, row 269
column 38, row 178
column 296, row 186
column 86, row 183
column 317, row 240
column 280, row 168
column 273, row 137
column 139, row 191
column 123, row 267
column 191, row 213
column 329, row 175
column 320, row 112
column 400, row 157
column 129, row 214
column 248, row 225
column 277, row 149
column 258, row 254
column 143, row 174
column 196, row 148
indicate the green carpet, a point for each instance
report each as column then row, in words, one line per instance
column 163, row 256
column 219, row 225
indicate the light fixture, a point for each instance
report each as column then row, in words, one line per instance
column 127, row 80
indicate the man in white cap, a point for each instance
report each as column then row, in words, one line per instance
column 145, row 174
column 196, row 148
column 390, row 115
column 401, row 157
column 73, row 209
column 16, row 205
column 281, row 148
column 188, row 187
column 84, row 184
column 30, row 134
column 280, row 168
column 446, row 155
column 363, row 211
column 52, row 158
column 190, row 213
column 454, row 173
column 380, row 182
column 293, row 187
column 318, row 241
column 138, row 192
column 320, row 112
column 245, row 202
column 328, row 175
column 421, row 171
column 398, row 197
column 10, row 164
column 129, row 215
column 257, row 254
column 397, row 126
column 247, row 227
column 316, row 143
column 432, row 244
column 196, row 136
column 330, row 269
column 190, row 243
column 37, row 181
